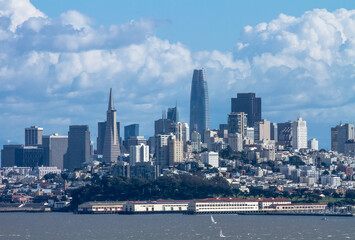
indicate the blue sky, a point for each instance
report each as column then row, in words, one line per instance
column 59, row 58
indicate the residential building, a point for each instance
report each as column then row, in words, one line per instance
column 299, row 134
column 237, row 123
column 313, row 144
column 210, row 158
column 138, row 154
column 262, row 130
column 235, row 141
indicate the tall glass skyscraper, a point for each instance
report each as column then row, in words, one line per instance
column 199, row 104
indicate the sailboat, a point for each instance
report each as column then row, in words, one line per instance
column 221, row 234
column 212, row 220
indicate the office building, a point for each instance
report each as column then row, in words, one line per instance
column 8, row 155
column 199, row 102
column 134, row 141
column 249, row 104
column 237, row 123
column 55, row 150
column 111, row 145
column 131, row 131
column 101, row 130
column 250, row 133
column 299, row 134
column 29, row 156
column 163, row 126
column 340, row 135
column 185, row 133
column 78, row 146
column 33, row 136
column 173, row 114
column 284, row 134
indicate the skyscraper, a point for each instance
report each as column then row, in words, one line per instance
column 340, row 135
column 33, row 136
column 130, row 131
column 111, row 146
column 101, row 129
column 199, row 103
column 78, row 146
column 55, row 150
column 173, row 114
column 249, row 104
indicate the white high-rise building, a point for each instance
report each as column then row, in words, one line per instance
column 138, row 153
column 313, row 144
column 299, row 134
column 185, row 133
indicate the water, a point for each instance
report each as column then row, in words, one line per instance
column 62, row 226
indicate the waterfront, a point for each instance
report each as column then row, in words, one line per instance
column 55, row 226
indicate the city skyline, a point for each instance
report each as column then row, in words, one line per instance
column 148, row 62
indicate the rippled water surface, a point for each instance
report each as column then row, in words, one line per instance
column 61, row 226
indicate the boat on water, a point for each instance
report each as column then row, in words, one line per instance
column 221, row 234
column 324, row 219
column 212, row 220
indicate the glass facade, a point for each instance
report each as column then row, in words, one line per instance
column 199, row 103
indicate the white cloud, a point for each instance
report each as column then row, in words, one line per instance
column 62, row 68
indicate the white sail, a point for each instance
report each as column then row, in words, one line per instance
column 221, row 234
column 212, row 220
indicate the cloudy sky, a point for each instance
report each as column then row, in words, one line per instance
column 58, row 59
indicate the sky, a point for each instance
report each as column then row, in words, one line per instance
column 59, row 58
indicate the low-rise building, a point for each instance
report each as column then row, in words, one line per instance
column 159, row 206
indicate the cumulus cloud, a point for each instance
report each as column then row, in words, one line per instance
column 57, row 72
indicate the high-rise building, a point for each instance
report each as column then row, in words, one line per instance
column 8, row 155
column 163, row 126
column 196, row 141
column 313, row 144
column 173, row 114
column 111, row 146
column 262, row 130
column 284, row 134
column 199, row 103
column 78, row 146
column 340, row 135
column 237, row 123
column 101, row 130
column 55, row 150
column 334, row 139
column 162, row 150
column 33, row 136
column 250, row 133
column 299, row 134
column 138, row 154
column 29, row 156
column 249, row 104
column 131, row 130
column 235, row 141
column 185, row 133
column 273, row 132
column 176, row 150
